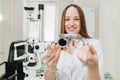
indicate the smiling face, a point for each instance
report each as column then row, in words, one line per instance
column 72, row 21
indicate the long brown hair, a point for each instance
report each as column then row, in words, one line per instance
column 83, row 30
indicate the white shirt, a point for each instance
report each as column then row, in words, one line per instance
column 71, row 68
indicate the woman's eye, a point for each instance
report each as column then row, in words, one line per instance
column 77, row 19
column 67, row 19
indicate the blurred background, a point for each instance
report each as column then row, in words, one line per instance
column 19, row 23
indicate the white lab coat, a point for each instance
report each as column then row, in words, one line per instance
column 71, row 68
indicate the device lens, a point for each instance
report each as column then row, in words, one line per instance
column 62, row 42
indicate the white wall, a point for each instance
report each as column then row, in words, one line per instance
column 109, row 30
column 12, row 23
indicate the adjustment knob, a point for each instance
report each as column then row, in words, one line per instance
column 36, row 47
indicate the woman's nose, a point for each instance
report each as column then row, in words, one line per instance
column 71, row 22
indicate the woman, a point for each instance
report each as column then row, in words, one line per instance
column 67, row 64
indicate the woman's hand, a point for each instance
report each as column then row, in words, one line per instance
column 51, row 56
column 88, row 56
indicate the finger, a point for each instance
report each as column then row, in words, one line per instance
column 87, row 61
column 92, row 50
column 51, row 64
column 83, row 58
column 47, row 50
column 80, row 58
column 93, row 58
column 57, row 54
column 46, row 55
column 54, row 60
column 50, row 50
column 52, row 46
column 43, row 55
column 48, row 47
column 50, row 55
column 53, row 54
column 84, row 53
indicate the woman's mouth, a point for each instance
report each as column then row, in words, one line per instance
column 71, row 29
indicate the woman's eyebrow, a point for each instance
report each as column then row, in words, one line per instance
column 66, row 16
column 77, row 16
